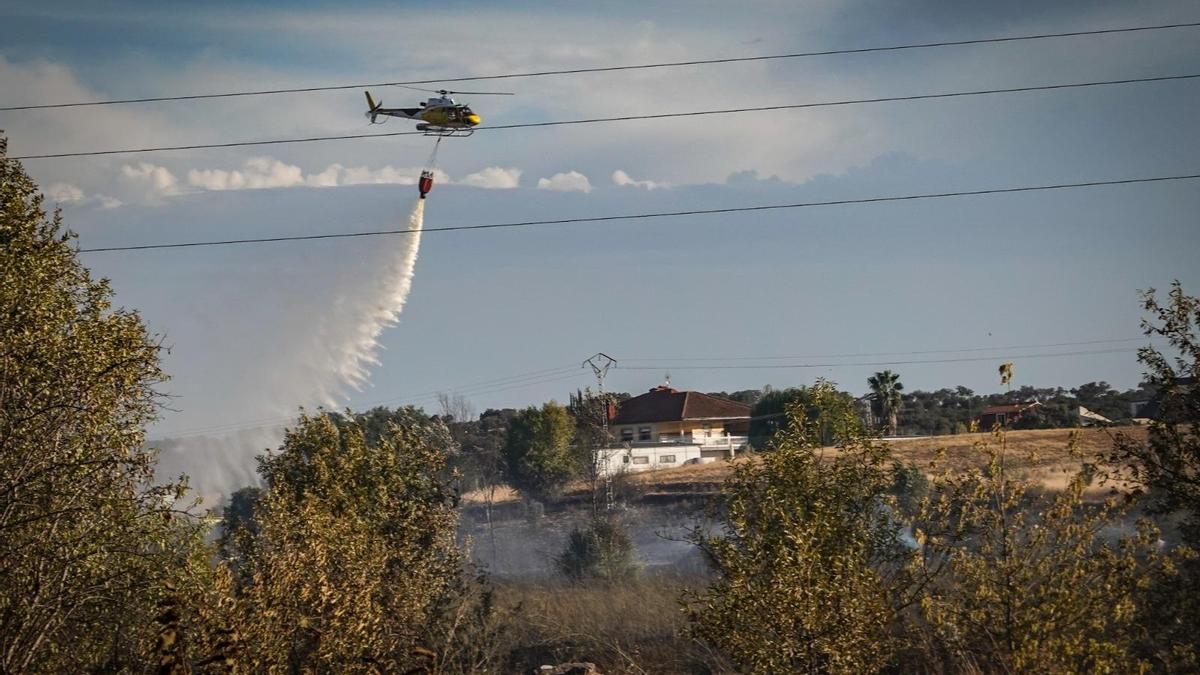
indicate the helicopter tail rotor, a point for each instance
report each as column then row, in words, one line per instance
column 372, row 107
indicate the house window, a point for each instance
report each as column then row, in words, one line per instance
column 708, row 431
column 643, row 433
column 625, row 459
column 666, row 459
column 627, row 434
column 641, row 460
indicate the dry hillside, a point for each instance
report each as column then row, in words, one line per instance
column 1041, row 454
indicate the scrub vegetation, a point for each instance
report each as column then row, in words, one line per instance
column 830, row 551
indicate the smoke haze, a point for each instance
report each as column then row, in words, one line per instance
column 315, row 360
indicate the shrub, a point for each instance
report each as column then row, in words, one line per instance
column 811, row 571
column 601, row 551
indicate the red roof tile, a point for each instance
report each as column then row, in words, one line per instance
column 663, row 404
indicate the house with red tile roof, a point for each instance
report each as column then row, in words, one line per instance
column 1005, row 415
column 667, row 427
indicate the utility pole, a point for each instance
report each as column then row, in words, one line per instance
column 600, row 363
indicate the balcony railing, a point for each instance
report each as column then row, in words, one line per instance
column 713, row 441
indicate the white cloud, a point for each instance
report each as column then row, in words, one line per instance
column 257, row 173
column 386, row 175
column 327, row 178
column 571, row 181
column 621, row 178
column 494, row 177
column 336, row 174
column 152, row 180
column 64, row 193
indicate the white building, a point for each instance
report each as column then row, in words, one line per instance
column 666, row 427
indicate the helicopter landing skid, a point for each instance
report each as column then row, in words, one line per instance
column 444, row 132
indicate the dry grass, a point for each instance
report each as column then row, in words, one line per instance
column 1040, row 455
column 632, row 627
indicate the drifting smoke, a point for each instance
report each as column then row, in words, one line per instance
column 320, row 356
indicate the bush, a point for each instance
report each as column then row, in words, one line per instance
column 601, row 551
column 811, row 568
column 352, row 554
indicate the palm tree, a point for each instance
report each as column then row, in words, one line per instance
column 885, row 397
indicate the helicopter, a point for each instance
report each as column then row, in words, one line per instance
column 439, row 116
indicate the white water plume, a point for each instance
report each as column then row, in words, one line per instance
column 350, row 331
column 318, row 349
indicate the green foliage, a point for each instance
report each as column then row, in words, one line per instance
column 772, row 414
column 811, row 571
column 600, row 551
column 377, row 423
column 354, row 548
column 1028, row 583
column 1165, row 468
column 88, row 544
column 537, row 452
column 237, row 515
column 1168, row 463
column 482, row 441
column 768, row 415
column 590, row 413
column 886, row 398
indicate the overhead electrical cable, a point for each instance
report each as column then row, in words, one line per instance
column 966, row 359
column 607, row 69
column 628, row 118
column 515, row 380
column 625, row 359
column 660, row 214
column 503, row 384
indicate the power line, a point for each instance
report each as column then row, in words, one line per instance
column 661, row 214
column 627, row 118
column 605, row 69
column 513, row 382
column 908, row 353
column 969, row 359
column 516, row 380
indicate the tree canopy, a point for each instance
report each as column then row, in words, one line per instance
column 537, row 453
column 89, row 545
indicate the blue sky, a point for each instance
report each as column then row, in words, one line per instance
column 952, row 274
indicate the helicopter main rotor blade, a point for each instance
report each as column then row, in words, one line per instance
column 481, row 93
column 405, row 86
column 445, row 92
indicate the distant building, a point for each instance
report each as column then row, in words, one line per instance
column 666, row 427
column 1088, row 418
column 1005, row 415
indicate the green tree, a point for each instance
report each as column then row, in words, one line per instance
column 1028, row 581
column 1164, row 467
column 238, row 514
column 811, row 570
column 590, row 414
column 768, row 415
column 537, row 452
column 89, row 545
column 886, row 398
column 354, row 550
